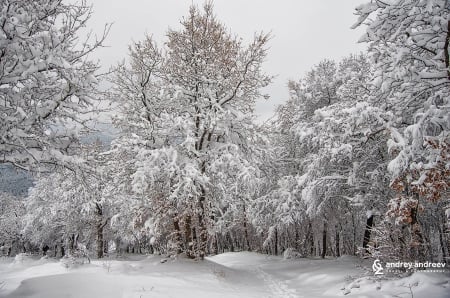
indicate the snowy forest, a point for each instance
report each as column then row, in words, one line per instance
column 356, row 162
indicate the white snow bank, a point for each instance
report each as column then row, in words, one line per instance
column 240, row 274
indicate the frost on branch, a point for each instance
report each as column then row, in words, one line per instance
column 46, row 80
column 409, row 45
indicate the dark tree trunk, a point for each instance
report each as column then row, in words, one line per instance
column 101, row 223
column 45, row 250
column 188, row 237
column 100, row 240
column 249, row 247
column 117, row 245
column 176, row 226
column 276, row 242
column 215, row 245
column 310, row 239
column 203, row 233
column 446, row 52
column 418, row 243
column 354, row 235
column 324, row 240
column 338, row 240
column 195, row 243
column 368, row 232
column 231, row 241
column 297, row 237
column 247, row 241
column 442, row 244
column 308, row 243
column 71, row 244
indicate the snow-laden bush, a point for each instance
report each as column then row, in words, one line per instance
column 22, row 258
column 291, row 253
column 78, row 257
column 72, row 261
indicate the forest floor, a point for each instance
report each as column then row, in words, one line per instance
column 241, row 274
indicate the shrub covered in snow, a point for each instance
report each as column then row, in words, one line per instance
column 291, row 253
column 73, row 261
column 22, row 258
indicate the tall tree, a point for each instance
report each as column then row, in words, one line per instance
column 188, row 116
column 326, row 175
column 409, row 44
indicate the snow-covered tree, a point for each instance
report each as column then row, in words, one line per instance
column 187, row 117
column 409, row 45
column 67, row 208
column 53, row 215
column 12, row 210
column 46, row 80
column 332, row 154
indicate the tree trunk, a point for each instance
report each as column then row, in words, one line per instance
column 101, row 223
column 176, row 226
column 308, row 243
column 215, row 245
column 117, row 245
column 247, row 241
column 417, row 239
column 203, row 232
column 100, row 240
column 368, row 232
column 188, row 237
column 275, row 247
column 324, row 240
column 338, row 240
column 297, row 237
column 71, row 244
column 354, row 236
column 311, row 239
column 231, row 241
column 442, row 244
column 446, row 52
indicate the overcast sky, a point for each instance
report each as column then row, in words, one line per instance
column 304, row 31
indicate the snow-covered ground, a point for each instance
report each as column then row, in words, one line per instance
column 240, row 274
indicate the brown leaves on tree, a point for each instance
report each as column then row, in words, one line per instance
column 404, row 209
column 436, row 180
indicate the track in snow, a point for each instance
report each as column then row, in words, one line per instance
column 278, row 288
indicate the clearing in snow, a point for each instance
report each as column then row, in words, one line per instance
column 241, row 274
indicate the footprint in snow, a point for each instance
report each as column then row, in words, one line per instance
column 278, row 288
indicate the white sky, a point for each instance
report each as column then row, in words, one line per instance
column 304, row 31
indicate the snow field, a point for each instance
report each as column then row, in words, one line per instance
column 242, row 274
